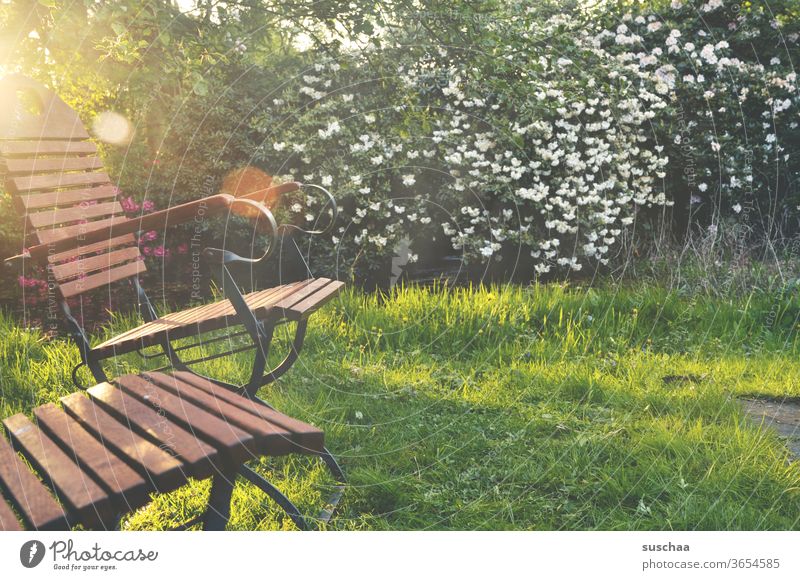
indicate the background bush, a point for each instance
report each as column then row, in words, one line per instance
column 535, row 140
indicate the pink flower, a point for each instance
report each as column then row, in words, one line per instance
column 129, row 205
column 160, row 252
column 147, row 250
column 148, row 236
column 148, row 205
column 183, row 248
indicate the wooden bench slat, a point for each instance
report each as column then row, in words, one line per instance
column 101, row 279
column 54, row 217
column 271, row 439
column 280, row 309
column 194, row 321
column 196, row 455
column 8, row 521
column 306, row 307
column 75, row 488
column 27, row 494
column 84, row 266
column 230, row 441
column 56, row 180
column 307, row 438
column 45, row 164
column 48, row 236
column 162, row 470
column 128, row 488
column 91, row 248
column 66, row 197
column 8, row 148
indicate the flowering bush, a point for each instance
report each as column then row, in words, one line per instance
column 731, row 128
column 551, row 136
column 554, row 142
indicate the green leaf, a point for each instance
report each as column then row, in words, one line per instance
column 200, row 87
column 118, row 28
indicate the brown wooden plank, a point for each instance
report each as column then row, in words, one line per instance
column 54, row 217
column 194, row 321
column 91, row 248
column 8, row 521
column 156, row 220
column 260, row 303
column 66, row 197
column 272, row 439
column 233, row 443
column 8, row 148
column 101, row 279
column 196, row 455
column 301, row 294
column 306, row 437
column 190, row 322
column 104, row 261
column 27, row 494
column 45, row 164
column 128, row 489
column 49, row 238
column 305, row 308
column 75, row 488
column 56, row 180
column 163, row 471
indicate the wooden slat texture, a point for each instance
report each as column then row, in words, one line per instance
column 9, row 148
column 74, row 487
column 161, row 469
column 128, row 489
column 45, row 164
column 8, row 521
column 271, row 439
column 280, row 309
column 91, row 248
column 27, row 494
column 86, row 265
column 54, row 217
column 308, row 439
column 196, row 456
column 197, row 320
column 101, row 279
column 317, row 300
column 231, row 441
column 79, row 231
column 157, row 220
column 66, row 197
column 56, row 180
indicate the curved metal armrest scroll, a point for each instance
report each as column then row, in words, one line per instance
column 331, row 201
column 226, row 256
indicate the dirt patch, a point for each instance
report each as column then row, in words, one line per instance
column 782, row 416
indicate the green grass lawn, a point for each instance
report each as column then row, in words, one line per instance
column 510, row 408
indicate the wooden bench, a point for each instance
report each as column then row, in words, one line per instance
column 102, row 453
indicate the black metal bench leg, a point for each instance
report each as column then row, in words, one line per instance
column 275, row 495
column 218, row 511
column 338, row 491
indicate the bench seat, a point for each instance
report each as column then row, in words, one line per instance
column 295, row 301
column 100, row 454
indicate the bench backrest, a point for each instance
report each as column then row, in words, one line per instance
column 53, row 171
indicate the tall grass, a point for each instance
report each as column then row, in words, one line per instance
column 548, row 407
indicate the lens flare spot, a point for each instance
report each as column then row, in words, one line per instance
column 112, row 128
column 246, row 181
